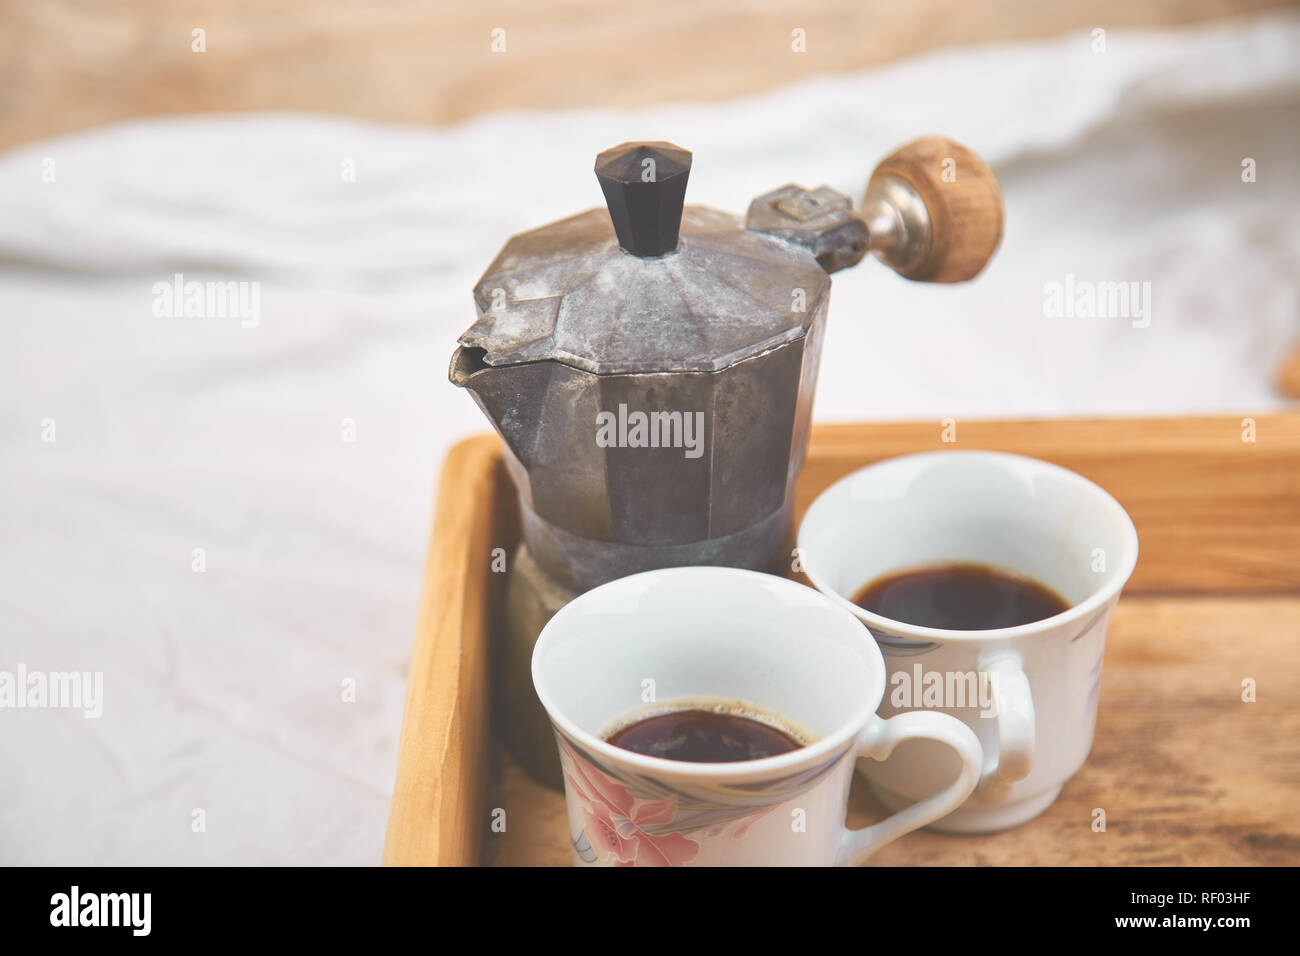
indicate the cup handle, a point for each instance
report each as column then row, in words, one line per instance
column 1014, row 705
column 877, row 741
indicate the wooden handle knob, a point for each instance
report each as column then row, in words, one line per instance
column 964, row 206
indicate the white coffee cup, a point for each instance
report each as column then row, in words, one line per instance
column 1039, row 681
column 686, row 636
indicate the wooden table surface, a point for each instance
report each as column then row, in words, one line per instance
column 67, row 65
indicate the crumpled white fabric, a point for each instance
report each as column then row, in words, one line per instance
column 224, row 690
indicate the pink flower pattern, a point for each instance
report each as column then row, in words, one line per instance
column 623, row 829
column 616, row 821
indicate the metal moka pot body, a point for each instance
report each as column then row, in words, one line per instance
column 685, row 453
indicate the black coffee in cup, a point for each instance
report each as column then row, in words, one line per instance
column 704, row 736
column 960, row 597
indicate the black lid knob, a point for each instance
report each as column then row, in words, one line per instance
column 645, row 187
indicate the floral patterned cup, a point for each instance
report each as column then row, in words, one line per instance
column 648, row 641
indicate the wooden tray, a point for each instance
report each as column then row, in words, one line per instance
column 1186, row 771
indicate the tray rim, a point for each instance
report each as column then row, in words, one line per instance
column 446, row 722
column 446, row 716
